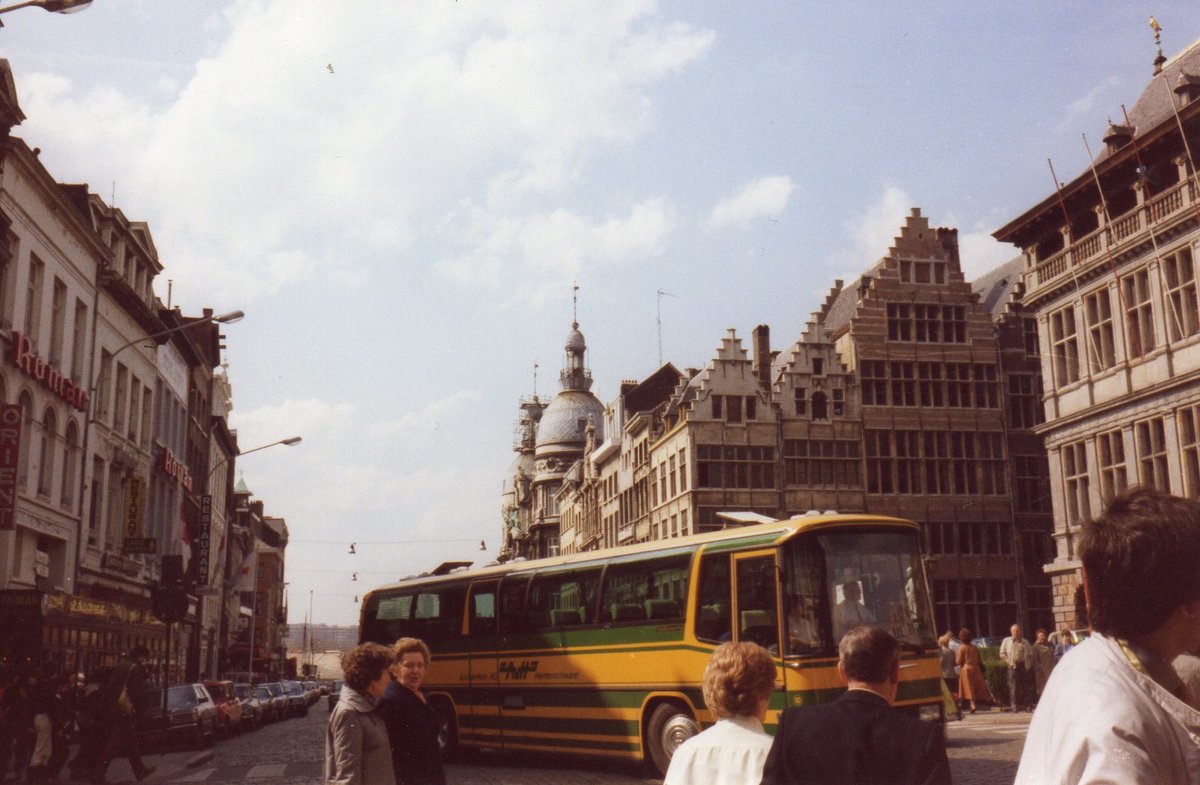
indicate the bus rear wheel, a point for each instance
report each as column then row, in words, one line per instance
column 670, row 725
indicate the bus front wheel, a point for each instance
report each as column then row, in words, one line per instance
column 447, row 728
column 670, row 725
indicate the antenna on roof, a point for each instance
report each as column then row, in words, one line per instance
column 658, row 318
column 535, row 367
column 1159, row 59
column 575, row 304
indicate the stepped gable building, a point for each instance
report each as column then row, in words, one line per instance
column 1029, row 472
column 561, row 437
column 934, row 448
column 1109, row 272
column 820, row 409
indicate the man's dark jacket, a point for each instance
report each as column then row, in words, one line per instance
column 857, row 739
column 130, row 676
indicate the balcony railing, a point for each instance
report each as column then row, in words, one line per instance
column 1122, row 230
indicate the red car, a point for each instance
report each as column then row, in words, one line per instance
column 229, row 708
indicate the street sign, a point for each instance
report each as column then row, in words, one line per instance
column 140, row 545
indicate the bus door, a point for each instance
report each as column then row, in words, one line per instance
column 756, row 610
column 483, row 643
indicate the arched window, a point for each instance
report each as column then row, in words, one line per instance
column 70, row 478
column 820, row 406
column 26, row 402
column 46, row 454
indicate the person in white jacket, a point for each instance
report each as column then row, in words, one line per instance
column 1115, row 711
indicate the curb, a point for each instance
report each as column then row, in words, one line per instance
column 199, row 760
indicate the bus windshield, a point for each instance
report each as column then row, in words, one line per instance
column 834, row 581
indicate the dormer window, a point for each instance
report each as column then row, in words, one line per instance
column 1117, row 136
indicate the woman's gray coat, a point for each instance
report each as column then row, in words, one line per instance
column 356, row 743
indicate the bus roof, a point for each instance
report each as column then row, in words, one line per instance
column 771, row 533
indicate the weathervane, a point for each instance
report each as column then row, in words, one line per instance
column 1159, row 58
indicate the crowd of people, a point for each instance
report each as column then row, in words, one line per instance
column 44, row 711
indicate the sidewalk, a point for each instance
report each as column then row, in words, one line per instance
column 994, row 716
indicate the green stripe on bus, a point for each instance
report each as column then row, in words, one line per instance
column 515, row 723
column 574, row 745
column 744, row 542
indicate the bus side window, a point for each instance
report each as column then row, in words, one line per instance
column 654, row 590
column 714, row 619
column 387, row 618
column 439, row 613
column 483, row 609
column 565, row 599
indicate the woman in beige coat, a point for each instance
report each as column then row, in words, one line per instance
column 356, row 741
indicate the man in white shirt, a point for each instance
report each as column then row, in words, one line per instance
column 1017, row 654
column 1115, row 710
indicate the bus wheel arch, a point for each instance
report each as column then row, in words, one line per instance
column 447, row 720
column 669, row 722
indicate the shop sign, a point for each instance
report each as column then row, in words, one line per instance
column 10, row 450
column 118, row 563
column 140, row 545
column 205, row 540
column 135, row 494
column 20, row 601
column 46, row 374
column 176, row 469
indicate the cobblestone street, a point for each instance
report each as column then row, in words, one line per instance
column 984, row 750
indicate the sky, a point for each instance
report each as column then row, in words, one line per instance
column 402, row 196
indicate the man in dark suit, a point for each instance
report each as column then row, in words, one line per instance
column 120, row 706
column 859, row 739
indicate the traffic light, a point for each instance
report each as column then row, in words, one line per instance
column 172, row 570
column 169, row 603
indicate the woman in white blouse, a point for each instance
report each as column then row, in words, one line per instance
column 737, row 688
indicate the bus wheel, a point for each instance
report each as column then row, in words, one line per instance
column 670, row 725
column 447, row 728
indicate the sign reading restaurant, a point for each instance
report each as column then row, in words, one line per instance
column 46, row 374
column 10, row 450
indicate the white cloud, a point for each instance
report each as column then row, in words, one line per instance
column 428, row 419
column 548, row 248
column 316, row 133
column 762, row 198
column 1081, row 109
column 870, row 234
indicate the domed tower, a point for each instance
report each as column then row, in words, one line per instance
column 560, row 440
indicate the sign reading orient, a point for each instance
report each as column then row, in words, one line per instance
column 50, row 377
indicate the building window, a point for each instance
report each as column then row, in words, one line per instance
column 1189, row 444
column 1025, row 400
column 839, row 403
column 1181, row 294
column 121, row 398
column 1075, row 474
column 818, row 366
column 26, row 402
column 912, row 271
column 716, row 407
column 986, row 386
column 873, row 376
column 58, row 322
column 46, row 456
column 1097, row 308
column 926, row 323
column 820, row 407
column 899, row 322
column 904, row 386
column 931, row 385
column 1031, row 480
column 1065, row 347
column 821, row 463
column 8, row 277
column 33, row 299
column 751, row 407
column 735, row 466
column 1030, row 334
column 671, row 461
column 70, row 464
column 801, row 403
column 78, row 341
column 1110, row 459
column 733, row 408
column 1139, row 312
column 1152, row 454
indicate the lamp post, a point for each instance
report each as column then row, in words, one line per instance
column 288, row 442
column 93, row 403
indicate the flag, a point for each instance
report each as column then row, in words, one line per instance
column 247, row 572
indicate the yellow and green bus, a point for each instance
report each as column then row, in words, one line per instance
column 601, row 653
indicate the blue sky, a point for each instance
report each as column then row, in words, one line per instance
column 401, row 195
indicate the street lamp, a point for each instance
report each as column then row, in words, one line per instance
column 64, row 6
column 54, row 6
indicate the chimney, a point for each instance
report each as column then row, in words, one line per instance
column 762, row 355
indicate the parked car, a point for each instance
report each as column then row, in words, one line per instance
column 335, row 693
column 191, row 716
column 279, row 699
column 229, row 709
column 297, row 699
column 252, row 712
column 267, row 704
column 312, row 693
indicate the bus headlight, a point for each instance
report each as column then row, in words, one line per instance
column 930, row 713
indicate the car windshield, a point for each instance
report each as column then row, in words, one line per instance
column 275, row 688
column 243, row 691
column 179, row 697
column 262, row 693
column 294, row 688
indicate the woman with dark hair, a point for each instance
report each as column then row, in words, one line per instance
column 411, row 724
column 356, row 741
column 971, row 686
column 737, row 686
